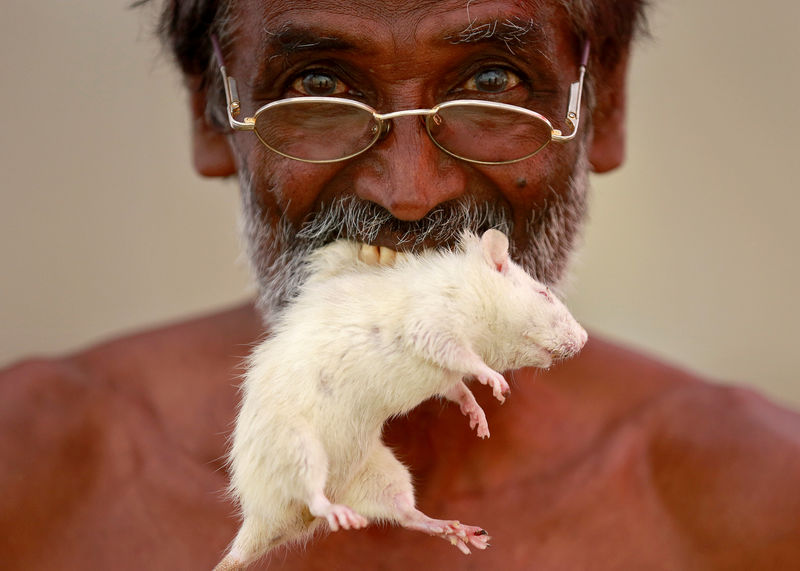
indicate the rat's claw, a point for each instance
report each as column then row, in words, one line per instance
column 462, row 536
column 480, row 539
column 462, row 547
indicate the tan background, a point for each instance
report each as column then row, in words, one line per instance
column 691, row 252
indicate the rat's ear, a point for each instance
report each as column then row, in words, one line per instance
column 608, row 118
column 495, row 249
column 211, row 153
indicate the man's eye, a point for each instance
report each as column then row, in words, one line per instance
column 492, row 80
column 319, row 83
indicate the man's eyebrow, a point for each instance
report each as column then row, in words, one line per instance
column 291, row 39
column 512, row 32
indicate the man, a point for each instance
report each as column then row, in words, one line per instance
column 112, row 458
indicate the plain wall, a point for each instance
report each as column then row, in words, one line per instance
column 690, row 253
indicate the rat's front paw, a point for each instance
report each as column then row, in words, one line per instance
column 495, row 380
column 477, row 418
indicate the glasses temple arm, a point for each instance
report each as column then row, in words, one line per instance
column 231, row 94
column 575, row 92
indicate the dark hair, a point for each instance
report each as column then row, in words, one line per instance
column 610, row 26
column 185, row 28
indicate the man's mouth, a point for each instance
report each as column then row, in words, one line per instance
column 410, row 241
column 365, row 222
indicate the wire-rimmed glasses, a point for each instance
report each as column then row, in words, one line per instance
column 332, row 129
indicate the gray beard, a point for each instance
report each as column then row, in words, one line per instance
column 277, row 252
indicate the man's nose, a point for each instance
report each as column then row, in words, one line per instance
column 406, row 173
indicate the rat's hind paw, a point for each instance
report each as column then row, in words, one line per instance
column 464, row 536
column 338, row 516
column 459, row 535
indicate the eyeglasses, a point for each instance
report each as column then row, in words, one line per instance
column 331, row 129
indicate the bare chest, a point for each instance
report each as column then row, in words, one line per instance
column 600, row 513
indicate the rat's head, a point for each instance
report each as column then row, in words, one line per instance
column 534, row 322
column 400, row 175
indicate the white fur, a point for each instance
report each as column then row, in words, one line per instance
column 359, row 345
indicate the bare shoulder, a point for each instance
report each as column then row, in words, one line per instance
column 726, row 463
column 52, row 421
column 721, row 462
column 158, row 369
column 42, row 402
column 130, row 414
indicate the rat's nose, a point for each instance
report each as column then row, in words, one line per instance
column 406, row 173
column 572, row 344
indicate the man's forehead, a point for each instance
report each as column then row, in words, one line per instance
column 400, row 8
column 297, row 24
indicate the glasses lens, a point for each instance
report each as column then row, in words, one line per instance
column 488, row 134
column 316, row 130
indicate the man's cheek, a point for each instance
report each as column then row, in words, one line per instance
column 527, row 184
column 290, row 187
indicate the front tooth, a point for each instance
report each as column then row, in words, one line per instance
column 369, row 255
column 387, row 256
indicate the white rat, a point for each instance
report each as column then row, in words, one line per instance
column 359, row 345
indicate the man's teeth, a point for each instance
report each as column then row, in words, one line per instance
column 369, row 254
column 386, row 256
column 378, row 255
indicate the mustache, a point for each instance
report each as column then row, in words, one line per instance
column 361, row 220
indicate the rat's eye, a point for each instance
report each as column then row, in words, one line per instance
column 319, row 83
column 492, row 80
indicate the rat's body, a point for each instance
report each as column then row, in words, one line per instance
column 359, row 345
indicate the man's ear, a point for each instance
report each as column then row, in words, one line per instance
column 210, row 150
column 608, row 120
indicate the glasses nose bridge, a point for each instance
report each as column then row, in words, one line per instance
column 404, row 113
column 385, row 120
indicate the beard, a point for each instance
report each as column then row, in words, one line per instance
column 277, row 251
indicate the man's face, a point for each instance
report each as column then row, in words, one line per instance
column 394, row 56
